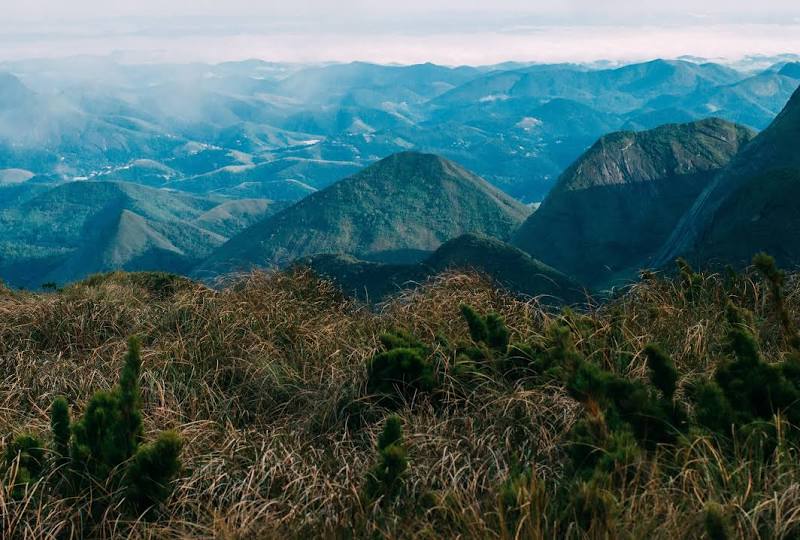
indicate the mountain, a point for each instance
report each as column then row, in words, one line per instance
column 791, row 69
column 614, row 90
column 613, row 208
column 751, row 205
column 505, row 264
column 65, row 232
column 259, row 130
column 395, row 210
column 288, row 178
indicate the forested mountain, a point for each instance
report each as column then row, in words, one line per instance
column 396, row 210
column 614, row 207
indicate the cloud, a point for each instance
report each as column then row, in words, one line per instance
column 445, row 31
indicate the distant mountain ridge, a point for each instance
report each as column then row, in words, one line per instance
column 396, row 210
column 259, row 130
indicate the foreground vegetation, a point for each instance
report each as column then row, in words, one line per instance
column 453, row 410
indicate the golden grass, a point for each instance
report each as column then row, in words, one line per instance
column 265, row 381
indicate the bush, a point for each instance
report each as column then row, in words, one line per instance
column 401, row 370
column 385, row 478
column 110, row 434
column 105, row 443
column 776, row 279
column 60, row 426
column 28, row 452
column 489, row 330
column 153, row 467
column 110, row 430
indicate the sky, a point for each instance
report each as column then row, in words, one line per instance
column 410, row 31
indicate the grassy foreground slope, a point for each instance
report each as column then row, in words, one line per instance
column 266, row 382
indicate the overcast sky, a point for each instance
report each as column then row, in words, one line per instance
column 445, row 31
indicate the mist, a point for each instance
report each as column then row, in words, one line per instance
column 445, row 31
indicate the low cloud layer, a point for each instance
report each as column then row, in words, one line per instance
column 443, row 31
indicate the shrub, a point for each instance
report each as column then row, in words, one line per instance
column 746, row 391
column 776, row 279
column 385, row 478
column 629, row 404
column 663, row 374
column 110, row 434
column 153, row 467
column 110, row 430
column 105, row 443
column 478, row 330
column 402, row 369
column 29, row 454
column 490, row 330
column 60, row 426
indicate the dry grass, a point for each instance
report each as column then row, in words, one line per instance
column 265, row 380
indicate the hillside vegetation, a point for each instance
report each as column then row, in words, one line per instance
column 619, row 202
column 397, row 210
column 454, row 410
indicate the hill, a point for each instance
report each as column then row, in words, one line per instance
column 65, row 232
column 612, row 210
column 394, row 211
column 505, row 264
column 248, row 130
column 750, row 205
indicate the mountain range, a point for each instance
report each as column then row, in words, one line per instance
column 264, row 166
column 259, row 130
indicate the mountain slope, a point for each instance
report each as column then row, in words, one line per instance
column 507, row 265
column 403, row 205
column 750, row 206
column 77, row 228
column 616, row 205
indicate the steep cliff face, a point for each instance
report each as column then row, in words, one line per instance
column 612, row 209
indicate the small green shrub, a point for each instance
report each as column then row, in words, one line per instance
column 776, row 280
column 478, row 330
column 490, row 330
column 107, row 440
column 106, row 443
column 110, row 430
column 663, row 374
column 401, row 370
column 153, row 467
column 29, row 452
column 386, row 477
column 60, row 426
